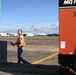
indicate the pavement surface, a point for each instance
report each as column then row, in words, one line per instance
column 41, row 52
column 34, row 54
column 22, row 69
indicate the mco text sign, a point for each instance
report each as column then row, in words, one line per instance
column 67, row 3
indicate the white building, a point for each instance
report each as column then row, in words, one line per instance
column 29, row 34
column 41, row 34
column 3, row 34
column 13, row 34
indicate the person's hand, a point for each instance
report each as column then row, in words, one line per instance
column 12, row 43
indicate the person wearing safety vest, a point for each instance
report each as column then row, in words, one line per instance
column 20, row 43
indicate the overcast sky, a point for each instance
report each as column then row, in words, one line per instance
column 36, row 16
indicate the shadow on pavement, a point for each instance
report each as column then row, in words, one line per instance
column 22, row 69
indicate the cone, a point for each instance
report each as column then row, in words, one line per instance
column 42, row 44
column 70, row 70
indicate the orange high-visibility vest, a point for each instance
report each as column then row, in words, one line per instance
column 22, row 42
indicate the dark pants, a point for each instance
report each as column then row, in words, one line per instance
column 20, row 59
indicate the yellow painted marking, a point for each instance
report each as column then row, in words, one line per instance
column 45, row 58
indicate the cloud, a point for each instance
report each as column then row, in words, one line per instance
column 54, row 30
column 34, row 28
column 38, row 28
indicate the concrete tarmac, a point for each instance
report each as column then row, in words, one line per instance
column 43, row 58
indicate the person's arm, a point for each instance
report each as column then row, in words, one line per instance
column 12, row 43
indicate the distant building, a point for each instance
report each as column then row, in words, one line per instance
column 41, row 34
column 3, row 34
column 29, row 34
column 13, row 34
